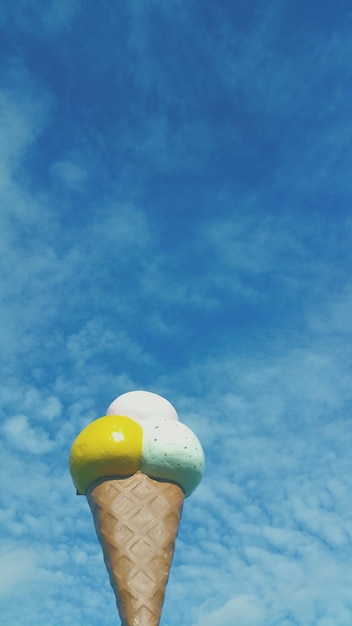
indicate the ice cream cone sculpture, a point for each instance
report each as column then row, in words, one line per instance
column 135, row 466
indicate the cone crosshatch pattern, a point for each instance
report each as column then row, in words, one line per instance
column 137, row 520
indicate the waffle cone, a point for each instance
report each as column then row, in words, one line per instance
column 137, row 520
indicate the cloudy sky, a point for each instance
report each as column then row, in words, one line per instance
column 175, row 216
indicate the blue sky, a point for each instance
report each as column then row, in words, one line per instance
column 175, row 211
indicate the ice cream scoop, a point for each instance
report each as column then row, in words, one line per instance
column 136, row 465
column 142, row 405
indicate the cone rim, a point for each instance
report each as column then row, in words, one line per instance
column 121, row 477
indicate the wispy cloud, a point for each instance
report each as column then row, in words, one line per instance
column 41, row 19
column 69, row 173
column 19, row 565
column 21, row 435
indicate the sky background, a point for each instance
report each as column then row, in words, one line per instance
column 175, row 216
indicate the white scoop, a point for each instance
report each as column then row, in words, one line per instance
column 142, row 406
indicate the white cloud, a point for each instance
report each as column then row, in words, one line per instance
column 17, row 567
column 25, row 437
column 59, row 15
column 21, row 121
column 335, row 315
column 42, row 18
column 69, row 173
column 30, row 400
column 125, row 231
column 95, row 339
column 248, row 247
column 244, row 610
